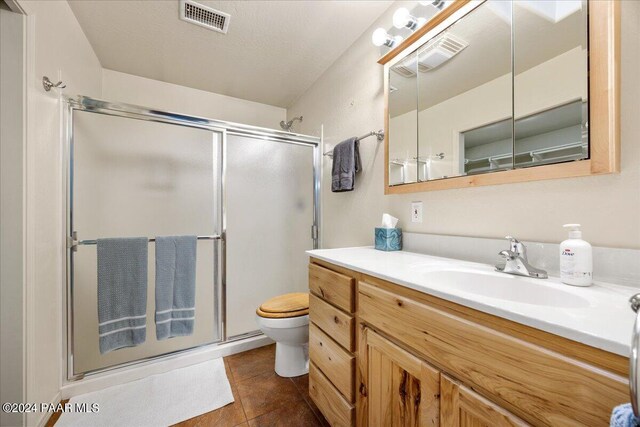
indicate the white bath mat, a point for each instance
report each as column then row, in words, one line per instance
column 158, row 400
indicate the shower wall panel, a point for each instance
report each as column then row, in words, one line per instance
column 269, row 209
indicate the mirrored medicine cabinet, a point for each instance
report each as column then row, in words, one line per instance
column 493, row 92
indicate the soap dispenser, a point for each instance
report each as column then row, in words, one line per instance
column 576, row 262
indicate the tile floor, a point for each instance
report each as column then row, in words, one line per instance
column 261, row 397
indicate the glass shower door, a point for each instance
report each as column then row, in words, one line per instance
column 134, row 178
column 269, row 209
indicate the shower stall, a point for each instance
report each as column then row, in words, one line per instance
column 251, row 195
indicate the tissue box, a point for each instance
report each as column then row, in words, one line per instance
column 389, row 239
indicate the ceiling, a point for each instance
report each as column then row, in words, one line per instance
column 488, row 55
column 272, row 53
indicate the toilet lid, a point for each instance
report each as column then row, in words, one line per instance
column 287, row 305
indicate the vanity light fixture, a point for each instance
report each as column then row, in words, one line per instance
column 403, row 19
column 438, row 4
column 380, row 37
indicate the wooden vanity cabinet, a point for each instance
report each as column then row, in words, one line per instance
column 403, row 389
column 418, row 360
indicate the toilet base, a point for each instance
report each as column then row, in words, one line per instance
column 292, row 360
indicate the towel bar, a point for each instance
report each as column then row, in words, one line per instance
column 379, row 136
column 72, row 242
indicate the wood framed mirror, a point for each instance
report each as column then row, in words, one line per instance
column 532, row 95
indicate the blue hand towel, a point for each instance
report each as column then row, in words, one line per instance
column 622, row 416
column 175, row 285
column 346, row 162
column 122, row 292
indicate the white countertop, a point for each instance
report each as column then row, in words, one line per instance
column 598, row 315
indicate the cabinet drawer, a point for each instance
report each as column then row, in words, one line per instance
column 333, row 406
column 336, row 323
column 334, row 361
column 538, row 385
column 333, row 287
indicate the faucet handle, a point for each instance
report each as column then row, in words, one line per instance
column 508, row 255
column 515, row 246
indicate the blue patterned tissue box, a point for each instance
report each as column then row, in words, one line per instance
column 389, row 239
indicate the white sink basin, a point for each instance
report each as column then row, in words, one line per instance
column 506, row 287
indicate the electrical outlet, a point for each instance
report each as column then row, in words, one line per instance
column 416, row 211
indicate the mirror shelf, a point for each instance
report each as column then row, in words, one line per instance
column 577, row 132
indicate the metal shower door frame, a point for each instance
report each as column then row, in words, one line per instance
column 224, row 128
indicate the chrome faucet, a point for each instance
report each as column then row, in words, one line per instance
column 516, row 261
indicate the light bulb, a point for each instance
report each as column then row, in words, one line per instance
column 380, row 37
column 401, row 18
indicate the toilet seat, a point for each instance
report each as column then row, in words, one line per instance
column 285, row 306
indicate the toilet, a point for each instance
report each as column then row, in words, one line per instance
column 285, row 319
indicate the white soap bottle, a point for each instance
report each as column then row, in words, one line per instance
column 576, row 260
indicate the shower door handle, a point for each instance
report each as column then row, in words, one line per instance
column 72, row 242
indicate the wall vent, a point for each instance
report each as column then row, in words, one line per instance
column 204, row 16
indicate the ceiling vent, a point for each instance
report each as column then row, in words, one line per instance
column 439, row 51
column 204, row 16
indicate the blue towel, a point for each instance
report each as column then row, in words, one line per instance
column 622, row 416
column 122, row 292
column 175, row 286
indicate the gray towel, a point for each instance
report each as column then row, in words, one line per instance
column 122, row 292
column 175, row 286
column 346, row 162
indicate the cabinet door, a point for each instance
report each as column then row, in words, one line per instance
column 402, row 389
column 461, row 407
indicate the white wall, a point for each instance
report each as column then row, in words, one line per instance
column 348, row 100
column 137, row 90
column 11, row 212
column 56, row 47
